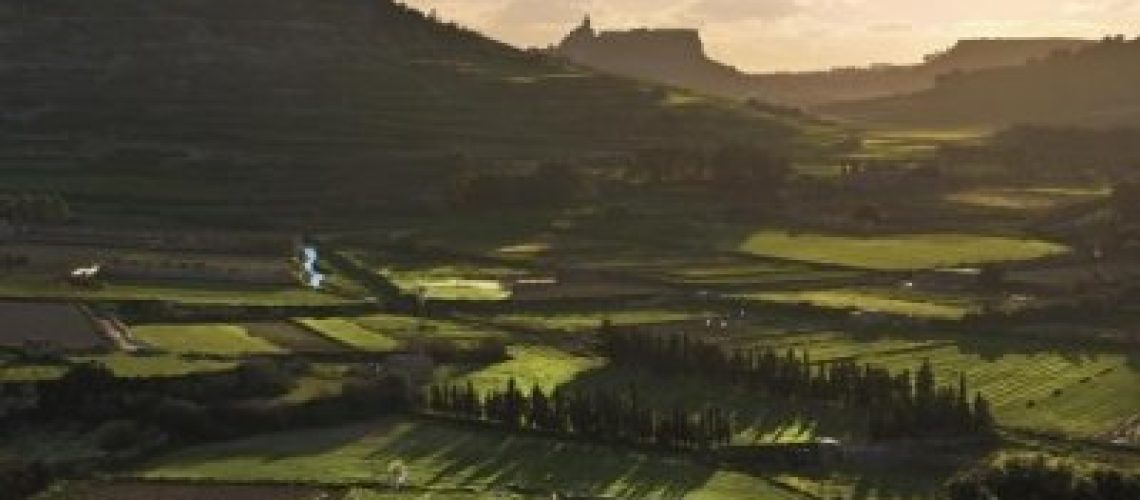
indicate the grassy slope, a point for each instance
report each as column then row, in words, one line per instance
column 874, row 300
column 1011, row 372
column 125, row 365
column 222, row 340
column 444, row 456
column 352, row 334
column 376, row 94
column 897, row 252
column 189, row 292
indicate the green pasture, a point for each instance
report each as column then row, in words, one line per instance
column 218, row 340
column 589, row 321
column 1026, row 199
column 410, row 328
column 13, row 372
column 1038, row 387
column 447, row 456
column 880, row 300
column 352, row 334
column 166, row 365
column 529, row 365
column 51, row 287
column 897, row 253
column 1032, row 384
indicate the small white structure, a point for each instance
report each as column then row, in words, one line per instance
column 84, row 275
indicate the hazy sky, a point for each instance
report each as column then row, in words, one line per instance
column 801, row 34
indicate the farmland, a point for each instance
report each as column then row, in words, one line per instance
column 443, row 457
column 64, row 325
column 875, row 300
column 897, row 253
column 166, row 365
column 51, row 288
column 1040, row 199
column 220, row 340
column 349, row 333
column 331, row 250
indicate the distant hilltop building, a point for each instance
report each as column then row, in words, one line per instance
column 674, row 56
column 677, row 57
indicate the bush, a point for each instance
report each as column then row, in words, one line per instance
column 19, row 478
column 1038, row 478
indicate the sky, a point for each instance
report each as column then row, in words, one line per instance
column 782, row 35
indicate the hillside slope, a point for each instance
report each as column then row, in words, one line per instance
column 1095, row 86
column 303, row 104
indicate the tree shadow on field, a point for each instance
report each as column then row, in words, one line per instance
column 992, row 344
column 482, row 457
column 760, row 417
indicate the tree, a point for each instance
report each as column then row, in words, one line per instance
column 749, row 175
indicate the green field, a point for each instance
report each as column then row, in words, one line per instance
column 30, row 373
column 407, row 328
column 888, row 301
column 188, row 293
column 1026, row 199
column 218, row 340
column 897, row 253
column 589, row 321
column 530, row 365
column 454, row 282
column 444, row 456
column 143, row 366
column 351, row 334
column 1081, row 394
column 1096, row 388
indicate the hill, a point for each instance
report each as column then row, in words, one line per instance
column 847, row 84
column 1094, row 86
column 678, row 57
column 295, row 107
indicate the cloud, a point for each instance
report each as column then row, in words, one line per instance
column 539, row 11
column 799, row 34
column 742, row 10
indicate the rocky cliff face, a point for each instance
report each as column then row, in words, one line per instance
column 678, row 57
column 672, row 56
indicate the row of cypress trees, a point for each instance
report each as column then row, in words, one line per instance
column 604, row 415
column 898, row 404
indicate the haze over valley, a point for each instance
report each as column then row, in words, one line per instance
column 466, row 249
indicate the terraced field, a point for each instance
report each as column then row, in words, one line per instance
column 454, row 282
column 1031, row 384
column 1039, row 388
column 1036, row 199
column 407, row 327
column 292, row 337
column 218, row 340
column 60, row 324
column 888, row 301
column 897, row 253
column 589, row 321
column 351, row 334
column 530, row 365
column 143, row 366
column 50, row 287
column 442, row 456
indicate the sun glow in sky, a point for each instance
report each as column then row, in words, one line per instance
column 770, row 35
